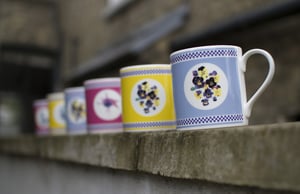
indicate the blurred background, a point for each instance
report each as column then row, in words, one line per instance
column 48, row 45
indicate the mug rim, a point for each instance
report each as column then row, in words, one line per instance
column 40, row 101
column 101, row 80
column 74, row 89
column 202, row 47
column 56, row 96
column 143, row 66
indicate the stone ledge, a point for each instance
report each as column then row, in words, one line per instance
column 265, row 156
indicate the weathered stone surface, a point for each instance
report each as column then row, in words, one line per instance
column 21, row 145
column 109, row 150
column 34, row 176
column 264, row 156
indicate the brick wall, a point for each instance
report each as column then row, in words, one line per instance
column 84, row 22
column 27, row 22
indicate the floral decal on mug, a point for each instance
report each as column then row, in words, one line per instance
column 206, row 86
column 107, row 104
column 42, row 117
column 60, row 113
column 77, row 110
column 148, row 97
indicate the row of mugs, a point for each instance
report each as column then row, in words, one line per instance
column 203, row 87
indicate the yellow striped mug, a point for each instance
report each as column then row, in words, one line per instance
column 56, row 105
column 147, row 96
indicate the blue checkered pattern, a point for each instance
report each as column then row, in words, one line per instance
column 149, row 124
column 203, row 54
column 210, row 120
column 146, row 72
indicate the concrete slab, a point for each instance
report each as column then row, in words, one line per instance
column 265, row 156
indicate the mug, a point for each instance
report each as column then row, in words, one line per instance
column 75, row 110
column 104, row 105
column 210, row 86
column 41, row 116
column 148, row 99
column 56, row 106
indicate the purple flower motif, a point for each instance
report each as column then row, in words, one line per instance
column 206, row 83
column 147, row 97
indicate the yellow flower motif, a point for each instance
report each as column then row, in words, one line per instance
column 217, row 91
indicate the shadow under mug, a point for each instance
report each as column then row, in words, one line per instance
column 210, row 86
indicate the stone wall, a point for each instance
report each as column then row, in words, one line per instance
column 84, row 22
column 51, row 177
column 249, row 159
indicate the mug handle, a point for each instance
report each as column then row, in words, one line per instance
column 261, row 89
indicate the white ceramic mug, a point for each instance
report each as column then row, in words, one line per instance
column 75, row 110
column 104, row 105
column 209, row 86
column 148, row 98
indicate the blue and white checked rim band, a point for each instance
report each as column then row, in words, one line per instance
column 150, row 124
column 145, row 72
column 217, row 119
column 203, row 54
column 110, row 126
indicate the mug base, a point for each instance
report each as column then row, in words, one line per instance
column 203, row 127
column 77, row 132
column 57, row 131
column 41, row 133
column 104, row 131
column 148, row 130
